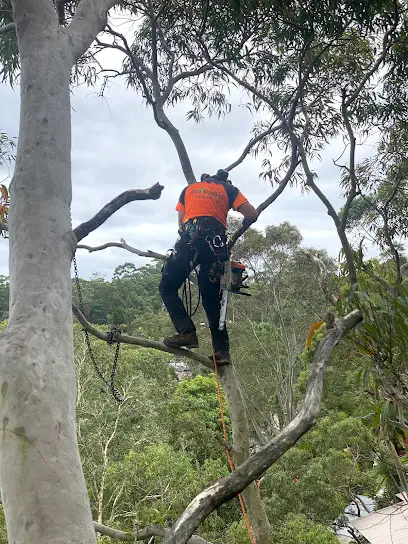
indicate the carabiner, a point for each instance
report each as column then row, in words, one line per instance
column 217, row 241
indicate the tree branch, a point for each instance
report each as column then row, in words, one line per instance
column 285, row 180
column 153, row 193
column 142, row 534
column 348, row 252
column 184, row 75
column 158, row 99
column 323, row 274
column 90, row 18
column 127, row 50
column 226, row 488
column 252, row 143
column 123, row 245
column 139, row 341
column 164, row 123
column 7, row 28
column 386, row 47
column 391, row 244
column 153, row 25
column 352, row 164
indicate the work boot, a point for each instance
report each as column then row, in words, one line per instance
column 222, row 357
column 184, row 340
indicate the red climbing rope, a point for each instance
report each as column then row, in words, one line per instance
column 230, row 461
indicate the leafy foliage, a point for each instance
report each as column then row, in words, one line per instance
column 9, row 58
column 131, row 293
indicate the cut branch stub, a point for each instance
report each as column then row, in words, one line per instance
column 153, row 193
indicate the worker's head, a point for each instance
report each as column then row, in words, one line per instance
column 222, row 175
column 204, row 177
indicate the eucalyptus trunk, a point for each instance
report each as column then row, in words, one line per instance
column 43, row 489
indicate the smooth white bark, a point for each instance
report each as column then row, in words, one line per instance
column 43, row 489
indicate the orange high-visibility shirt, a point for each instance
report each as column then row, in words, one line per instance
column 209, row 199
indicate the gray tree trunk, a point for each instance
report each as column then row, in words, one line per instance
column 43, row 489
column 261, row 528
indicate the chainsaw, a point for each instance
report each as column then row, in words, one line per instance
column 232, row 281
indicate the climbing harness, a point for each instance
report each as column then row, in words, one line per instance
column 113, row 338
column 227, row 448
column 229, row 273
column 232, row 281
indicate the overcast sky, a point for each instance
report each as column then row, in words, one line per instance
column 116, row 146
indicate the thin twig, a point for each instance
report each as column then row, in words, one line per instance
column 123, row 245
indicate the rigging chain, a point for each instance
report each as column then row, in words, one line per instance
column 112, row 339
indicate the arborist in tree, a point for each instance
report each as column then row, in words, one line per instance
column 202, row 216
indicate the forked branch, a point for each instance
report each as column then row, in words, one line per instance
column 226, row 488
column 153, row 193
column 90, row 18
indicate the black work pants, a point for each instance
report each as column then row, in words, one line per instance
column 175, row 271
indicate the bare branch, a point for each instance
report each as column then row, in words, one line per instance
column 90, row 18
column 153, row 193
column 252, row 142
column 142, row 534
column 143, row 342
column 285, row 180
column 7, row 28
column 226, row 488
column 123, row 245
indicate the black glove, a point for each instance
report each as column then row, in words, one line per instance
column 246, row 222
